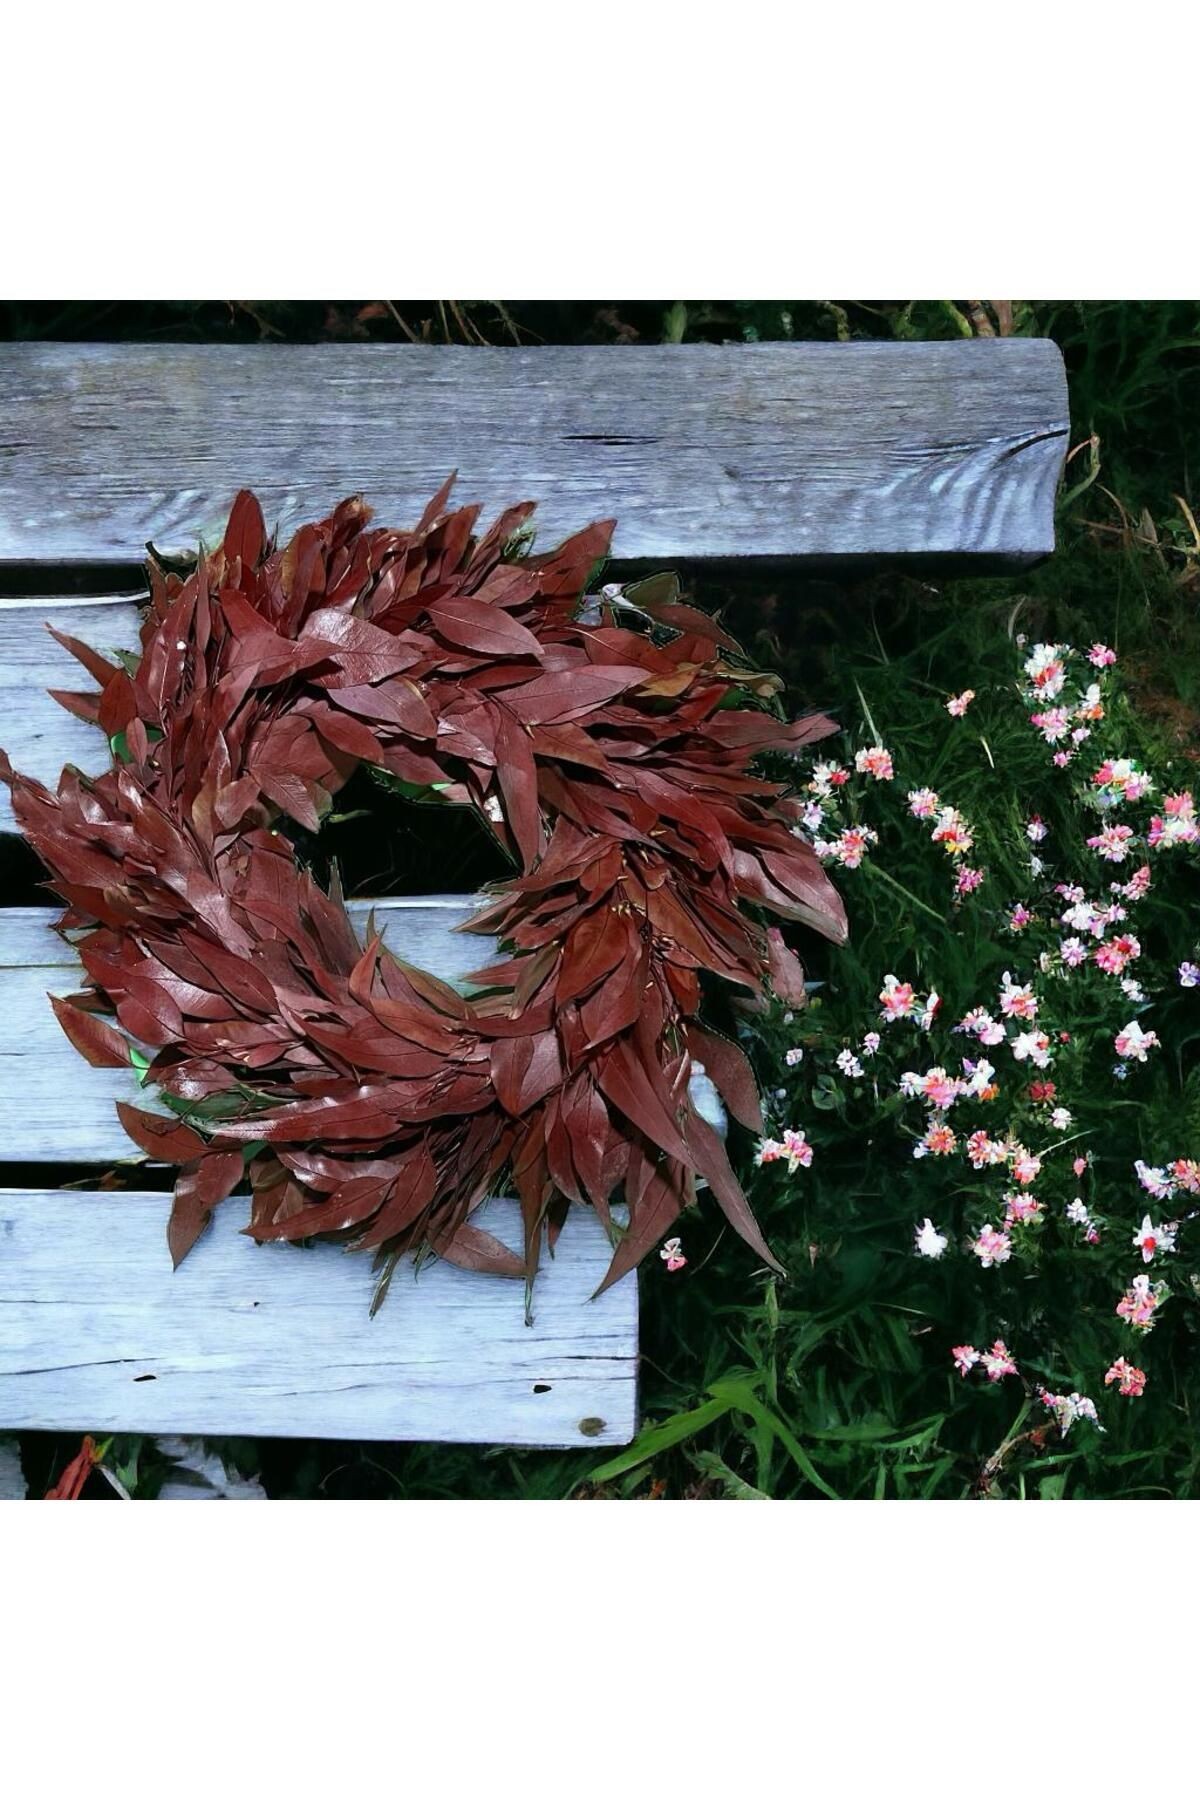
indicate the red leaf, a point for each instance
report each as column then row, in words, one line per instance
column 481, row 628
column 96, row 1040
column 162, row 1139
column 246, row 533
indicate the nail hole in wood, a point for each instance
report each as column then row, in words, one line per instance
column 541, row 1387
column 145, row 1378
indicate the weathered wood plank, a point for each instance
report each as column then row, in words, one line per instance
column 704, row 451
column 97, row 1334
column 56, row 1108
column 39, row 735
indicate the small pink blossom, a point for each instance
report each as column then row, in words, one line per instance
column 1079, row 1165
column 1112, row 843
column 959, row 704
column 897, row 999
column 984, row 1150
column 1132, row 1043
column 1101, row 657
column 923, row 803
column 871, row 1043
column 1021, row 1209
column 672, row 1255
column 1025, row 1166
column 1019, row 918
column 1017, row 1001
column 952, row 832
column 998, row 1361
column 1073, row 952
column 875, row 762
column 992, row 1246
column 1036, row 830
column 939, row 1140
column 1140, row 1302
column 1115, row 956
column 1153, row 1240
column 965, row 1357
column 1054, row 726
column 1132, row 1381
column 967, row 880
column 1189, row 975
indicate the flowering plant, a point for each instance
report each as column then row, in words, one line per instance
column 996, row 1082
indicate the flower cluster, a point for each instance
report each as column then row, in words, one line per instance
column 1012, row 1189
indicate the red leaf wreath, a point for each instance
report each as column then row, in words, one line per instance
column 365, row 1098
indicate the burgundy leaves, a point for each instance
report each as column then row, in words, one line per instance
column 359, row 1097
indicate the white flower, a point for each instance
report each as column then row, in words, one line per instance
column 849, row 1064
column 1132, row 1042
column 1061, row 1118
column 1151, row 1239
column 930, row 1241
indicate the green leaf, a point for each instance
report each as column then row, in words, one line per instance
column 662, row 1437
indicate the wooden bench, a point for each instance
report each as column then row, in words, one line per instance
column 932, row 451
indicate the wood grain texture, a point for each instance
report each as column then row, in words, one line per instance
column 39, row 735
column 699, row 451
column 97, row 1334
column 55, row 1108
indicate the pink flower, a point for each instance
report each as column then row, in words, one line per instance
column 798, row 1150
column 992, row 1246
column 876, row 763
column 1061, row 759
column 1021, row 1209
column 1053, row 725
column 1187, row 1175
column 897, row 998
column 1112, row 843
column 922, row 803
column 1153, row 1239
column 871, row 1043
column 1046, row 670
column 1132, row 1381
column 959, row 704
column 939, row 1140
column 1025, row 1166
column 1178, row 826
column 1069, row 1407
column 939, row 1089
column 1137, row 885
column 1140, row 1302
column 1036, row 830
column 853, row 844
column 984, row 1150
column 672, row 1255
column 967, row 880
column 1101, row 657
column 1131, row 1042
column 1079, row 1165
column 998, row 1361
column 965, row 1357
column 1189, row 975
column 1115, row 956
column 1072, row 951
column 953, row 832
column 1019, row 918
column 1017, row 1002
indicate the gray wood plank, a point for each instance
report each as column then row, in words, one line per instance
column 787, row 450
column 97, row 1334
column 39, row 735
column 56, row 1108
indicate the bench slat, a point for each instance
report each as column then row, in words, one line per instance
column 97, row 1334
column 701, row 451
column 56, row 1108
